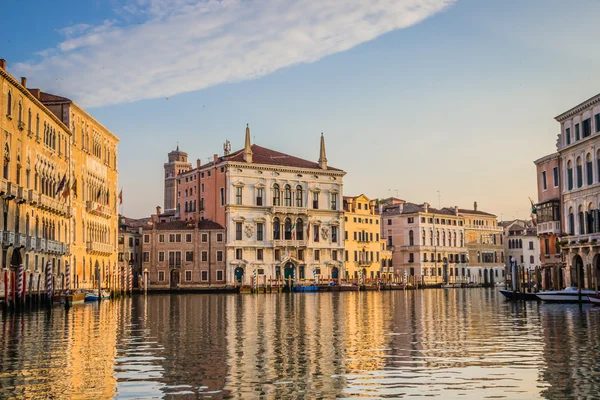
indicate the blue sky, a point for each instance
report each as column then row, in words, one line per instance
column 414, row 96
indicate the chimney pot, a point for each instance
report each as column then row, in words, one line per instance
column 158, row 210
column 198, row 163
column 24, row 81
column 215, row 158
column 3, row 63
column 475, row 206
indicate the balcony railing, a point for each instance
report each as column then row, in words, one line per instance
column 99, row 248
column 33, row 197
column 42, row 245
column 8, row 238
column 364, row 262
column 53, row 205
column 289, row 210
column 289, row 243
column 11, row 190
column 21, row 195
column 98, row 209
column 552, row 227
column 498, row 229
column 3, row 187
column 56, row 247
column 20, row 240
column 31, row 243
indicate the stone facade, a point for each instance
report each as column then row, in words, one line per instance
column 130, row 246
column 183, row 254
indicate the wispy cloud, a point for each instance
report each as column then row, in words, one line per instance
column 186, row 45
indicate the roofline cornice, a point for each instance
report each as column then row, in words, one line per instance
column 547, row 158
column 268, row 167
column 578, row 108
column 115, row 137
column 32, row 98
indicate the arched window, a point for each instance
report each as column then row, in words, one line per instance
column 569, row 175
column 437, row 237
column 591, row 214
column 20, row 112
column 276, row 195
column 520, row 243
column 37, row 126
column 29, row 119
column 581, row 220
column 423, row 238
column 454, row 238
column 288, row 229
column 299, row 229
column 502, row 257
column 6, row 169
column 431, row 237
column 9, row 103
column 287, row 196
column 443, row 238
column 299, row 196
column 579, row 172
column 461, row 240
column 276, row 229
column 411, row 238
column 589, row 169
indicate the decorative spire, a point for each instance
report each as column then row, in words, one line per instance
column 177, row 146
column 322, row 156
column 247, row 147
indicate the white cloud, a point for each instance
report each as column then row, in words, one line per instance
column 186, row 45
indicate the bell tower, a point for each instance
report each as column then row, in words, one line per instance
column 177, row 164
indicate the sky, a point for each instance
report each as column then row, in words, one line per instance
column 444, row 101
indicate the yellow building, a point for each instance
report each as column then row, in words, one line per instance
column 362, row 243
column 58, row 186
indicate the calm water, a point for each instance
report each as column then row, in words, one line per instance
column 457, row 343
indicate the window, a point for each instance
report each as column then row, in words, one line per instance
column 259, row 254
column 316, row 200
column 531, row 259
column 411, row 238
column 189, row 256
column 161, row 238
column 277, row 254
column 238, row 195
column 589, row 169
column 161, row 276
column 287, row 196
column 389, row 221
column 288, row 229
column 316, row 233
column 276, row 195
column 544, row 186
column 597, row 122
column 178, row 238
column 219, row 237
column 9, row 104
column 146, row 239
column 334, row 234
column 146, row 257
column 260, row 231
column 259, row 196
column 276, row 229
column 299, row 196
column 576, row 132
column 188, row 276
column 188, row 237
column 570, row 175
column 219, row 275
column 299, row 229
column 317, row 255
column 579, row 173
column 222, row 192
column 204, row 256
column 571, row 221
column 174, row 258
column 204, row 237
column 568, row 136
column 238, row 254
column 586, row 127
column 555, row 173
column 238, row 231
column 204, row 276
column 334, row 201
column 219, row 255
column 161, row 256
column 411, row 220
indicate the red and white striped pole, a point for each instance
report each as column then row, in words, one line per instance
column 67, row 277
column 49, row 286
column 20, row 281
column 129, row 279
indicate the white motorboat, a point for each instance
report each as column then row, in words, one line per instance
column 595, row 299
column 568, row 295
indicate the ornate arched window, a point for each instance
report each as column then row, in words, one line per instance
column 287, row 197
column 276, row 195
column 288, row 229
column 411, row 238
column 299, row 196
column 276, row 229
column 299, row 229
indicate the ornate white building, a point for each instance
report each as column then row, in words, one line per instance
column 283, row 214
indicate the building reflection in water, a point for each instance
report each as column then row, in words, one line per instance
column 466, row 344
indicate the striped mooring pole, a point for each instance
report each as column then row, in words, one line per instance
column 67, row 277
column 20, row 293
column 130, row 279
column 49, row 286
column 315, row 275
column 254, row 279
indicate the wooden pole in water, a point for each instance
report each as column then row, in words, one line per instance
column 577, row 274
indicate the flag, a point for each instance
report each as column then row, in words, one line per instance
column 61, row 185
column 107, row 197
column 74, row 188
column 67, row 190
column 121, row 197
column 308, row 231
column 98, row 194
column 533, row 207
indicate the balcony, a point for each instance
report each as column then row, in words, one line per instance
column 53, row 205
column 364, row 263
column 548, row 228
column 289, row 243
column 42, row 245
column 55, row 247
column 98, row 209
column 99, row 248
column 8, row 239
column 289, row 210
column 22, row 195
column 31, row 243
column 33, row 197
column 11, row 191
column 20, row 240
column 498, row 229
column 3, row 187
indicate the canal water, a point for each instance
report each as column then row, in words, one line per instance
column 447, row 344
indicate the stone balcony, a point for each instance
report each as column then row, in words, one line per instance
column 20, row 240
column 53, row 205
column 31, row 243
column 33, row 197
column 102, row 249
column 289, row 210
column 56, row 247
column 41, row 245
column 548, row 228
column 498, row 229
column 289, row 243
column 8, row 239
column 11, row 191
column 98, row 209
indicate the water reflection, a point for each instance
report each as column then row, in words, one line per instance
column 437, row 343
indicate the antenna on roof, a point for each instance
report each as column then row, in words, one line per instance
column 439, row 200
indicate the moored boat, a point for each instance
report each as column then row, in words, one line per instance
column 93, row 296
column 568, row 295
column 595, row 299
column 307, row 288
column 349, row 288
column 510, row 295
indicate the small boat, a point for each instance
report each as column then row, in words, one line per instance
column 451, row 285
column 349, row 288
column 308, row 288
column 510, row 295
column 568, row 295
column 93, row 296
column 595, row 299
column 73, row 298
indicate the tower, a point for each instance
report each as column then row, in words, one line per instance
column 322, row 156
column 176, row 165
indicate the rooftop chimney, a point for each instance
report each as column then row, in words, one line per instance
column 456, row 210
column 198, row 163
column 158, row 210
column 475, row 206
column 426, row 205
column 23, row 81
column 35, row 93
column 215, row 158
column 3, row 64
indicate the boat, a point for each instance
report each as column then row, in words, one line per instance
column 73, row 298
column 595, row 299
column 307, row 288
column 570, row 294
column 451, row 285
column 349, row 288
column 510, row 295
column 93, row 296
